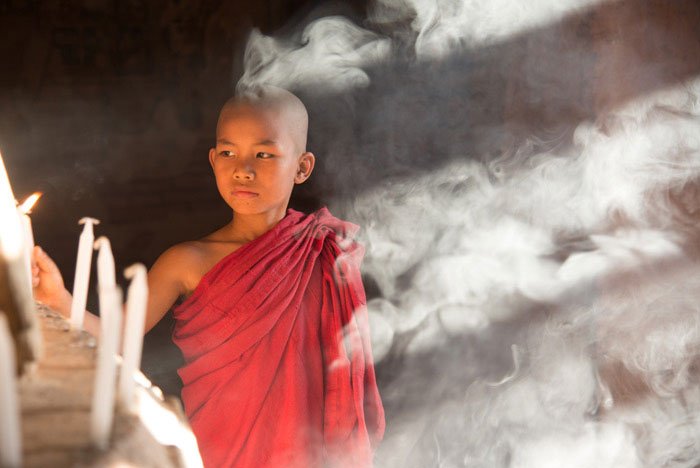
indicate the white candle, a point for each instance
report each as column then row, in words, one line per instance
column 137, row 298
column 11, row 232
column 102, row 413
column 28, row 233
column 10, row 435
column 28, row 240
column 110, row 298
column 21, row 318
column 106, row 275
column 82, row 272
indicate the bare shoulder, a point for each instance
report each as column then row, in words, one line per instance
column 186, row 263
column 184, row 253
column 180, row 267
column 174, row 274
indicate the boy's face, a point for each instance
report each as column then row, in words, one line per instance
column 256, row 160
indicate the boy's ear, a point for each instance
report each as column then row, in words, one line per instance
column 212, row 153
column 305, row 167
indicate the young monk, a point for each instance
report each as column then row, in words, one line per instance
column 273, row 328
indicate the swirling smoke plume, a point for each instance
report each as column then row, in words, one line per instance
column 525, row 175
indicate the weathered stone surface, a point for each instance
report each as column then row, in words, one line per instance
column 55, row 400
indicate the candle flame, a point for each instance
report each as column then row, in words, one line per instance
column 29, row 202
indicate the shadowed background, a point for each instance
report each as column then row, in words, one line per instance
column 109, row 108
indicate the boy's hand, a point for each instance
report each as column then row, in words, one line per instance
column 48, row 283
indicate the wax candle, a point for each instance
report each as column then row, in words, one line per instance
column 16, row 298
column 28, row 240
column 82, row 272
column 106, row 275
column 10, row 435
column 102, row 414
column 110, row 299
column 137, row 298
column 11, row 232
column 28, row 233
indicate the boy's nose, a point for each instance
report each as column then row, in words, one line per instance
column 243, row 173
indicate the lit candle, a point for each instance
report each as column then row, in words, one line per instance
column 17, row 300
column 10, row 435
column 24, row 210
column 11, row 232
column 133, row 332
column 110, row 299
column 82, row 272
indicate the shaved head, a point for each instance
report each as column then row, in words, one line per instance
column 278, row 101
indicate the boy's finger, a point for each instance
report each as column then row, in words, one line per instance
column 43, row 261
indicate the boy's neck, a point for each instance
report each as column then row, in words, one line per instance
column 245, row 228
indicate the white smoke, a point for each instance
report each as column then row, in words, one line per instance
column 536, row 296
column 334, row 46
column 443, row 26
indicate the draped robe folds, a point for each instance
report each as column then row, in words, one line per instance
column 278, row 366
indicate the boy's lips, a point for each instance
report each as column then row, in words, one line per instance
column 243, row 193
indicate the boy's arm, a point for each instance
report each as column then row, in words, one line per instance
column 165, row 283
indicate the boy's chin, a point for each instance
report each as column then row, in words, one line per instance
column 245, row 210
column 248, row 209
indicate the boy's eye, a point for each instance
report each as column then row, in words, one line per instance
column 226, row 153
column 263, row 155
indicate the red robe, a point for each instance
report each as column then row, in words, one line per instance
column 278, row 367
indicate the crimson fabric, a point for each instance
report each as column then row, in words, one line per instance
column 278, row 367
